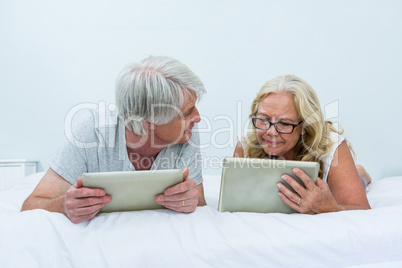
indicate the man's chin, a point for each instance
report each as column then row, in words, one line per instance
column 186, row 136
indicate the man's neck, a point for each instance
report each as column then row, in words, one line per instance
column 142, row 146
column 140, row 162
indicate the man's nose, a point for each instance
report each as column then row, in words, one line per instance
column 196, row 117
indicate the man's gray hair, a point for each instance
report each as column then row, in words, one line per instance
column 154, row 90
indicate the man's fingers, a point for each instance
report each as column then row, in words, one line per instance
column 188, row 205
column 179, row 204
column 192, row 193
column 89, row 210
column 74, row 203
column 182, row 197
column 185, row 173
column 84, row 217
column 85, row 192
column 79, row 210
column 92, row 201
column 83, row 203
column 185, row 209
column 79, row 183
column 184, row 186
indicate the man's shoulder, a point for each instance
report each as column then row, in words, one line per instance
column 81, row 127
column 92, row 126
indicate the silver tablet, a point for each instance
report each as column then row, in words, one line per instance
column 249, row 184
column 132, row 190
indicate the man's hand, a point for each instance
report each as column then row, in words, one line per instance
column 55, row 194
column 182, row 197
column 81, row 204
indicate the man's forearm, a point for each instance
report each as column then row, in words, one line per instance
column 201, row 202
column 201, row 198
column 52, row 205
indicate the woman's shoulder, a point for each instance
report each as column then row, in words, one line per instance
column 336, row 138
column 327, row 159
column 239, row 151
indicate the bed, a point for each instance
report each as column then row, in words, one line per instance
column 205, row 238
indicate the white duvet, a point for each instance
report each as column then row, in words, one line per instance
column 205, row 238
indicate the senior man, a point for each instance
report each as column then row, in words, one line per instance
column 152, row 129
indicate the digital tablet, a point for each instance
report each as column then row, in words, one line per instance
column 249, row 184
column 132, row 190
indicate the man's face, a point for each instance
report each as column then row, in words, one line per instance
column 179, row 130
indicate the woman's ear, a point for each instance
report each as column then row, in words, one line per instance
column 303, row 131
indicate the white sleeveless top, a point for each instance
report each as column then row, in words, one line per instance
column 327, row 160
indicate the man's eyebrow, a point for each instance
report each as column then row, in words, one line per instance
column 189, row 111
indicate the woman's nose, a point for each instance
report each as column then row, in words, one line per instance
column 272, row 130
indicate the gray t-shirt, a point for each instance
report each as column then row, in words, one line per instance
column 97, row 143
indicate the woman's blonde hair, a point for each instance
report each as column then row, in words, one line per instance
column 315, row 143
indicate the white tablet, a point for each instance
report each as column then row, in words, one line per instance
column 249, row 184
column 132, row 190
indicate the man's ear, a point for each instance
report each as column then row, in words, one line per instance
column 150, row 126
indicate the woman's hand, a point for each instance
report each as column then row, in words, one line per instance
column 315, row 198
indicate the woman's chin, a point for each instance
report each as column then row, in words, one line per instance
column 274, row 154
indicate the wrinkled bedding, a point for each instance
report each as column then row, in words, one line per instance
column 205, row 238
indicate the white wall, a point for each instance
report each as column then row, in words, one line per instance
column 57, row 54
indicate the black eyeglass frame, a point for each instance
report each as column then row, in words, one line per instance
column 253, row 119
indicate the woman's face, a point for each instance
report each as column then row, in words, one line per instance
column 279, row 107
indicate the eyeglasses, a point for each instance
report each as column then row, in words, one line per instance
column 280, row 127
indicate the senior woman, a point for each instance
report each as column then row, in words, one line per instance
column 289, row 124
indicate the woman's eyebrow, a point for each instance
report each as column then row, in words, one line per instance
column 264, row 115
column 281, row 118
column 285, row 119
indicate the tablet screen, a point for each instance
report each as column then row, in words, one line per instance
column 249, row 184
column 132, row 190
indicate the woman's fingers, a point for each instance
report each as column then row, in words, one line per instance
column 293, row 197
column 307, row 181
column 288, row 202
column 299, row 189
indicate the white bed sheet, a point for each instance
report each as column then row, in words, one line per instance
column 205, row 238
